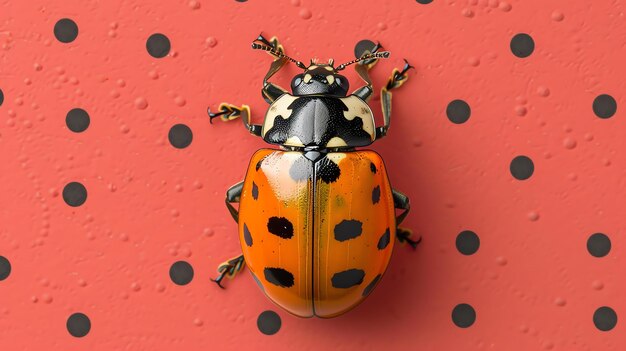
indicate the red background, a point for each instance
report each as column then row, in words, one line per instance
column 532, row 282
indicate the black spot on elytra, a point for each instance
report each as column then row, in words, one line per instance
column 328, row 171
column 300, row 169
column 259, row 163
column 376, row 195
column 280, row 226
column 384, row 240
column 347, row 279
column 373, row 167
column 348, row 229
column 368, row 289
column 247, row 237
column 278, row 276
column 255, row 191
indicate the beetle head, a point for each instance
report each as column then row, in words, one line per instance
column 320, row 79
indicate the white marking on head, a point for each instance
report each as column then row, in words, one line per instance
column 330, row 79
column 307, row 78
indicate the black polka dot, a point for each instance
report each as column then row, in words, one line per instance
column 279, row 276
column 373, row 167
column 158, row 45
column 384, row 240
column 463, row 315
column 74, row 194
column 458, row 111
column 363, row 46
column 348, row 229
column 376, row 195
column 180, row 136
column 300, row 169
column 327, row 170
column 77, row 120
column 467, row 242
column 65, row 30
column 347, row 279
column 181, row 273
column 424, row 2
column 522, row 45
column 255, row 191
column 5, row 268
column 522, row 167
column 1, row 97
column 269, row 321
column 78, row 325
column 247, row 237
column 604, row 106
column 599, row 245
column 605, row 318
column 280, row 226
column 241, row 0
column 368, row 289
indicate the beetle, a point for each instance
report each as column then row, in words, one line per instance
column 316, row 217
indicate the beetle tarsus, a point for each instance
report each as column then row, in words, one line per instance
column 399, row 77
column 227, row 112
column 218, row 281
column 404, row 236
column 229, row 269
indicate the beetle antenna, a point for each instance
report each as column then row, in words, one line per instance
column 375, row 55
column 266, row 46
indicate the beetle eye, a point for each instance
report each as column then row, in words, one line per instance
column 297, row 81
column 339, row 81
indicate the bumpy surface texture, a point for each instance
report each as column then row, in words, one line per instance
column 508, row 138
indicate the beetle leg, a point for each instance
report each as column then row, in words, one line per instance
column 365, row 92
column 228, row 112
column 401, row 202
column 229, row 269
column 395, row 81
column 232, row 196
column 404, row 236
column 271, row 91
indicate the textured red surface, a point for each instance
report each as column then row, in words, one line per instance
column 532, row 283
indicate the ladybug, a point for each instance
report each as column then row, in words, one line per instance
column 316, row 216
